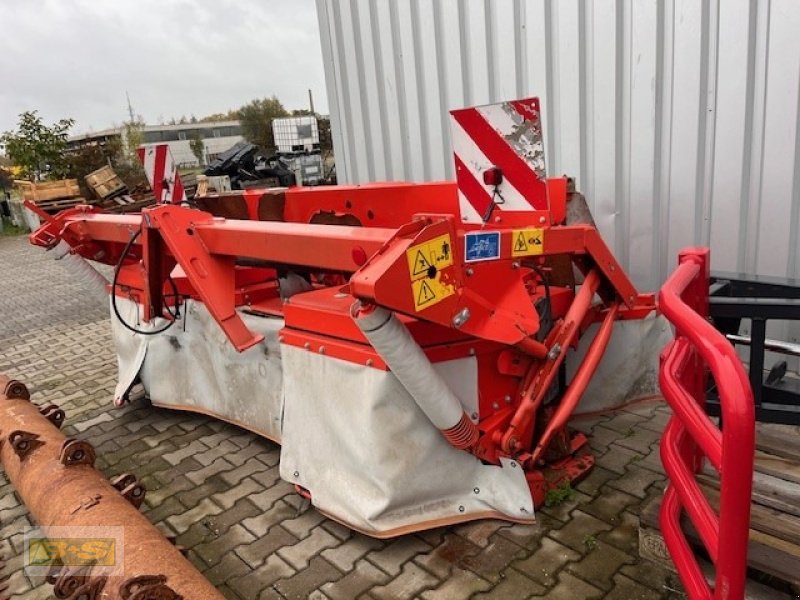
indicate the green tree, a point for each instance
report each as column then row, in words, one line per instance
column 38, row 149
column 256, row 120
column 90, row 157
column 231, row 115
column 197, row 146
column 133, row 137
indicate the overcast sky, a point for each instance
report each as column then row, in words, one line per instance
column 174, row 57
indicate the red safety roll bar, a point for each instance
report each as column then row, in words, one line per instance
column 690, row 436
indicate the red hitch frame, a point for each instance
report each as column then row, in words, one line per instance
column 690, row 436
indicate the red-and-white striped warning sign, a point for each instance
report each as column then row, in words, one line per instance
column 505, row 136
column 162, row 173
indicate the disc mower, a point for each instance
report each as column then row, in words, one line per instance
column 405, row 343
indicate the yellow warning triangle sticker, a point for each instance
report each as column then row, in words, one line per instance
column 425, row 294
column 421, row 264
column 520, row 245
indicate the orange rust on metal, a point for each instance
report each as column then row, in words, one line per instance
column 55, row 478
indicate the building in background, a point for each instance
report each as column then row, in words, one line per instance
column 679, row 119
column 217, row 137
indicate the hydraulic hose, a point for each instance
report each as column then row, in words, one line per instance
column 408, row 362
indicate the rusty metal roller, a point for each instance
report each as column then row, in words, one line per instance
column 57, row 481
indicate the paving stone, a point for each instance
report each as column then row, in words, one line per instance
column 393, row 556
column 229, row 497
column 528, row 536
column 267, row 478
column 255, row 553
column 191, row 497
column 251, row 585
column 479, row 532
column 199, row 533
column 602, row 437
column 183, row 521
column 407, row 585
column 208, row 455
column 658, row 421
column 630, row 590
column 460, row 584
column 572, row 588
column 264, row 521
column 264, row 500
column 453, row 552
column 243, row 509
column 617, row 459
column 578, row 529
column 211, row 552
column 249, row 467
column 229, row 567
column 494, row 559
column 255, row 449
column 651, row 575
column 356, row 582
column 345, row 556
column 595, row 480
column 625, row 535
column 562, row 510
column 303, row 524
column 652, row 461
column 640, row 441
column 339, row 531
column 302, row 583
column 599, row 563
column 190, row 450
column 299, row 554
column 187, row 465
column 586, row 423
column 158, row 492
column 169, row 508
column 88, row 424
column 200, row 476
column 512, row 584
column 544, row 565
column 636, row 481
column 609, row 504
column 624, row 422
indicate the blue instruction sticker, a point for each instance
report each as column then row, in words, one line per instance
column 482, row 245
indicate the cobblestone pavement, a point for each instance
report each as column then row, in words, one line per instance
column 217, row 487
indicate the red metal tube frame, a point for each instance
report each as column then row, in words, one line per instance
column 690, row 435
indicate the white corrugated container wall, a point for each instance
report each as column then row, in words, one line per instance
column 678, row 118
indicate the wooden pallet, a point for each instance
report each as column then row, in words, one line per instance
column 52, row 207
column 775, row 513
column 43, row 191
column 105, row 183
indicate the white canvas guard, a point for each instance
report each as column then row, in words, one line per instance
column 198, row 369
column 355, row 438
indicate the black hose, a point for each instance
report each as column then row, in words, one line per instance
column 114, row 285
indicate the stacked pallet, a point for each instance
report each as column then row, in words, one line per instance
column 51, row 196
column 774, row 546
column 113, row 195
column 105, row 183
